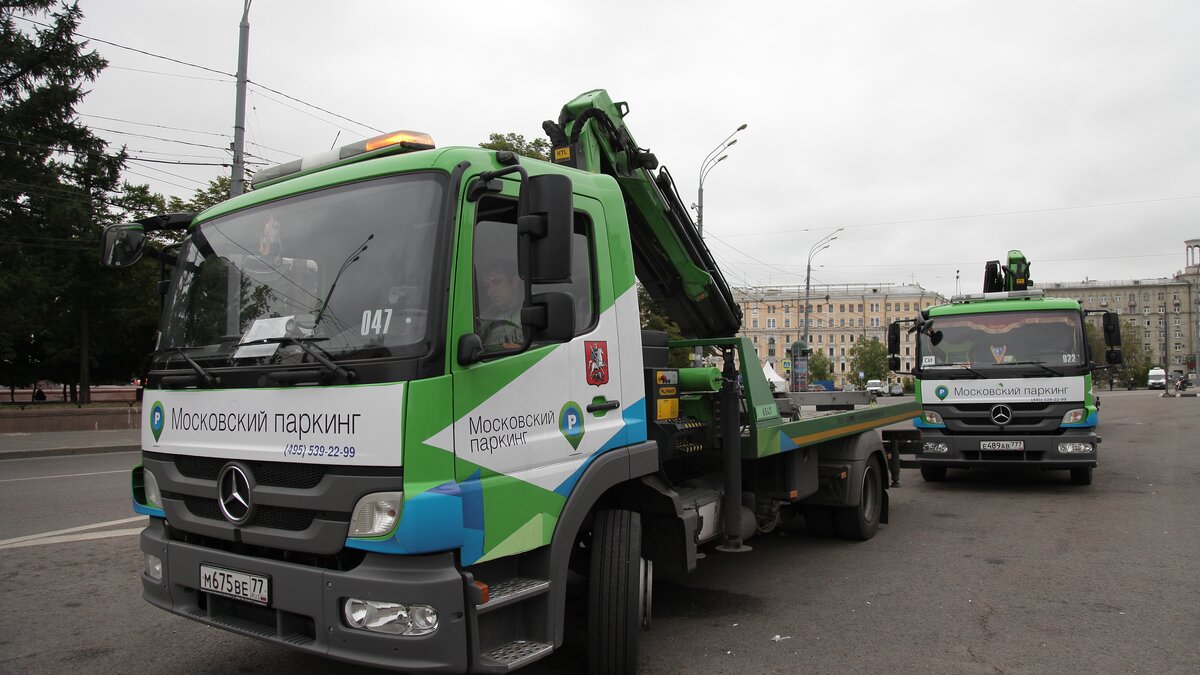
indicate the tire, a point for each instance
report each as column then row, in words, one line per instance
column 861, row 521
column 933, row 474
column 1082, row 476
column 819, row 519
column 617, row 590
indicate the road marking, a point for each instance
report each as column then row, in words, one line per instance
column 15, row 540
column 72, row 537
column 64, row 475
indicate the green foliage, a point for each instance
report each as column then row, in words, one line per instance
column 870, row 358
column 654, row 318
column 58, row 186
column 1135, row 370
column 538, row 148
column 818, row 366
column 212, row 194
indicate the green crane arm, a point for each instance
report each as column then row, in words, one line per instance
column 670, row 259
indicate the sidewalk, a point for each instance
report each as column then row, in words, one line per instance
column 51, row 443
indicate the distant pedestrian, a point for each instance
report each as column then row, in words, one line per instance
column 38, row 394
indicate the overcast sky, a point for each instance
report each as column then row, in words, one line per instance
column 938, row 134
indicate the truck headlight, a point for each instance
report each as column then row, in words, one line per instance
column 931, row 417
column 1075, row 448
column 153, row 494
column 935, row 448
column 376, row 514
column 1074, row 416
column 392, row 618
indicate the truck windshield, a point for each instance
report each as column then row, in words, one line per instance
column 1044, row 341
column 348, row 270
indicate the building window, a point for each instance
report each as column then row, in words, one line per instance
column 1116, row 297
column 906, row 307
column 787, row 323
column 874, row 322
column 754, row 312
column 841, row 308
column 787, row 309
column 771, row 322
column 843, row 324
column 754, row 323
column 860, row 322
column 770, row 309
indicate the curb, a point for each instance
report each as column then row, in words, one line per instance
column 64, row 452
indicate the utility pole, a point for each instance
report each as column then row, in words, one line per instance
column 821, row 245
column 237, row 180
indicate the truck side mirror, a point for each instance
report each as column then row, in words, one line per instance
column 1114, row 357
column 1112, row 330
column 550, row 316
column 894, row 364
column 546, row 215
column 122, row 245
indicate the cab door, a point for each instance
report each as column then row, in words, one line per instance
column 528, row 422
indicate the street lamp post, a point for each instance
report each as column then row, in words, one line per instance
column 822, row 244
column 711, row 160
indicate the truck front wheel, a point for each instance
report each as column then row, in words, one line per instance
column 862, row 520
column 617, row 592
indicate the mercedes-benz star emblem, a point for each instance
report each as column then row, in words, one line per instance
column 233, row 494
column 1001, row 414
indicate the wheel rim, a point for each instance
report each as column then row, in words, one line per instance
column 645, row 590
column 870, row 500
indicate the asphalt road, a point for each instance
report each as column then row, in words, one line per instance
column 989, row 572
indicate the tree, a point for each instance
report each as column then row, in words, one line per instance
column 57, row 187
column 212, row 194
column 868, row 357
column 818, row 366
column 1136, row 363
column 538, row 148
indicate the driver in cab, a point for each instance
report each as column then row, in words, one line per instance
column 500, row 318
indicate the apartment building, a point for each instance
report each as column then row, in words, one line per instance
column 1163, row 313
column 838, row 316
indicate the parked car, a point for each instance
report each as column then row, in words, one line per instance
column 875, row 387
column 896, row 389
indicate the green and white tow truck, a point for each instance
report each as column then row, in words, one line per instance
column 356, row 446
column 1004, row 378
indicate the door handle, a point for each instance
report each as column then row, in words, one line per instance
column 607, row 405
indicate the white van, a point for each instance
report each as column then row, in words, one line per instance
column 875, row 387
column 1157, row 378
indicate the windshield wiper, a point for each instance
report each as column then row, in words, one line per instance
column 1039, row 364
column 328, row 367
column 350, row 260
column 206, row 377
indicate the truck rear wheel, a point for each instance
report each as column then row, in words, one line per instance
column 617, row 592
column 933, row 474
column 1082, row 476
column 862, row 520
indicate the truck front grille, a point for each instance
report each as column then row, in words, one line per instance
column 274, row 517
column 276, row 474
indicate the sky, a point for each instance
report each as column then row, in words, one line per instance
column 937, row 135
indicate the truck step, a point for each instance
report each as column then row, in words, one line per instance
column 518, row 653
column 511, row 591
